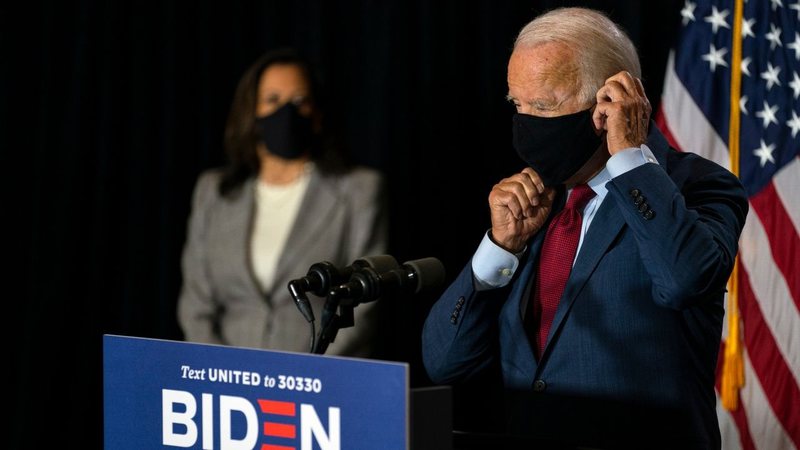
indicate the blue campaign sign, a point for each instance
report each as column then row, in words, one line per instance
column 168, row 394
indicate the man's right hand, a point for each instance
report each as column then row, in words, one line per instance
column 519, row 207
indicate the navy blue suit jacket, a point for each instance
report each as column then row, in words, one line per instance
column 633, row 346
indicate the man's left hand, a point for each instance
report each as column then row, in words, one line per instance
column 623, row 111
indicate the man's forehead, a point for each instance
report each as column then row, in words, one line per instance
column 537, row 72
column 550, row 49
column 552, row 59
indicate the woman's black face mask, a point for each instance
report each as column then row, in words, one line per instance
column 286, row 132
column 555, row 147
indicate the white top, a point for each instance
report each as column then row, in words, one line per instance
column 276, row 210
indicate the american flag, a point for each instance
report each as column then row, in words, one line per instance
column 740, row 62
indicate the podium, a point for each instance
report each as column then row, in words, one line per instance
column 170, row 394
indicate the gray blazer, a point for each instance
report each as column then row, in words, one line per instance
column 341, row 218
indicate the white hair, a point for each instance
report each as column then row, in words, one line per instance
column 601, row 48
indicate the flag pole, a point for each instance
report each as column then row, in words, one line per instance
column 733, row 362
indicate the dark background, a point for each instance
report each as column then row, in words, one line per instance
column 109, row 110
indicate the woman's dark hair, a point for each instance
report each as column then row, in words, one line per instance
column 241, row 136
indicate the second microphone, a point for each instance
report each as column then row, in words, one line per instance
column 367, row 284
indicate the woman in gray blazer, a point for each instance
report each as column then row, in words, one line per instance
column 285, row 201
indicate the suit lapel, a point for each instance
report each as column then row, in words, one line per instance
column 242, row 217
column 605, row 227
column 319, row 202
column 523, row 358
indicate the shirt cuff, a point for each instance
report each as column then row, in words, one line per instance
column 492, row 265
column 629, row 159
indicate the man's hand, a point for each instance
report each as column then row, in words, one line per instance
column 623, row 111
column 519, row 206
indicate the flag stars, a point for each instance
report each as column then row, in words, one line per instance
column 764, row 153
column 747, row 28
column 795, row 46
column 771, row 75
column 746, row 66
column 715, row 57
column 743, row 105
column 717, row 19
column 774, row 37
column 776, row 4
column 795, row 84
column 796, row 7
column 688, row 12
column 794, row 124
column 767, row 115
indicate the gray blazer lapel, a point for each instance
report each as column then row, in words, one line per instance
column 241, row 216
column 318, row 204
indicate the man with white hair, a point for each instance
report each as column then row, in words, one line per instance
column 598, row 291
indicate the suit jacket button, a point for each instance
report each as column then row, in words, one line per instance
column 539, row 386
column 643, row 207
column 649, row 214
column 635, row 193
column 638, row 200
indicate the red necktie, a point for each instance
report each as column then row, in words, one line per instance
column 555, row 261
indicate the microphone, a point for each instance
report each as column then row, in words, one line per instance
column 370, row 283
column 324, row 275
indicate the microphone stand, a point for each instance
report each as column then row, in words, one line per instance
column 331, row 322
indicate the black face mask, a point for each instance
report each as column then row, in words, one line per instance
column 555, row 147
column 286, row 132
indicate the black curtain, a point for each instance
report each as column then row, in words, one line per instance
column 110, row 109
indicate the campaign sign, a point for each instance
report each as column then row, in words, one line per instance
column 168, row 394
